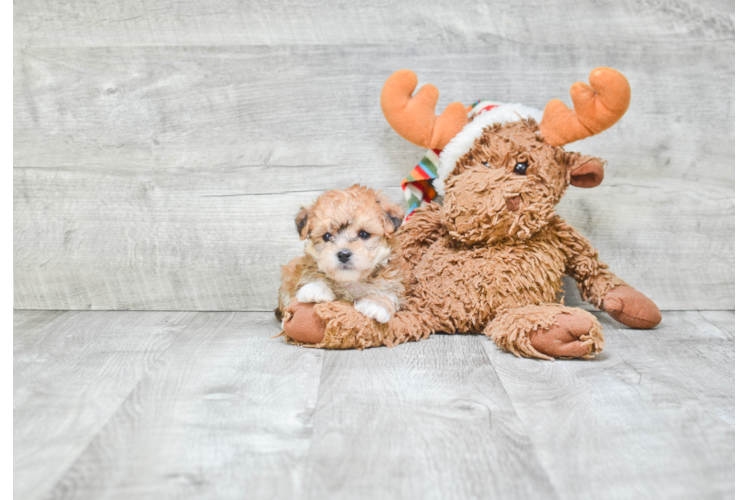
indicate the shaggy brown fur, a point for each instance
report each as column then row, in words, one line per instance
column 357, row 223
column 492, row 257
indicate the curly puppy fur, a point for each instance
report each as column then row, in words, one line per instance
column 351, row 254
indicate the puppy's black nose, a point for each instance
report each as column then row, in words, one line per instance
column 344, row 255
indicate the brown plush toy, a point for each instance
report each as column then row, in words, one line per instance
column 491, row 258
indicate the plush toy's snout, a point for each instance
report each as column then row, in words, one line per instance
column 512, row 203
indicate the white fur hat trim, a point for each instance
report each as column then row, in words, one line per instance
column 484, row 115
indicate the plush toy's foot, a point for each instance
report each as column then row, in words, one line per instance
column 302, row 323
column 632, row 308
column 564, row 338
column 547, row 331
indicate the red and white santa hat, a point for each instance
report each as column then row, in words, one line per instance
column 482, row 115
column 426, row 181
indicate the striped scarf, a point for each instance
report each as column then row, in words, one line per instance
column 417, row 187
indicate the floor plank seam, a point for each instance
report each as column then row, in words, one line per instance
column 307, row 466
column 484, row 351
column 146, row 372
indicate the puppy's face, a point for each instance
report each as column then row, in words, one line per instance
column 349, row 232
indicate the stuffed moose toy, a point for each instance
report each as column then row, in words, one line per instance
column 490, row 259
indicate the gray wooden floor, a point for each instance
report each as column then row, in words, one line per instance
column 208, row 405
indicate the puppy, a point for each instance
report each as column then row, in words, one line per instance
column 351, row 254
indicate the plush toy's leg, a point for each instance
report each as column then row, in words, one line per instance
column 337, row 325
column 547, row 331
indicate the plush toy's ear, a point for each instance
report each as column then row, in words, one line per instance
column 302, row 222
column 586, row 172
column 393, row 214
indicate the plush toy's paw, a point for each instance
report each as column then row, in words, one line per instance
column 302, row 324
column 315, row 292
column 372, row 310
column 631, row 308
column 562, row 340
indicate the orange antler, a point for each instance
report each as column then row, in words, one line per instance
column 596, row 108
column 414, row 118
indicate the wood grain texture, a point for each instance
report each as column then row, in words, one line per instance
column 423, row 420
column 226, row 413
column 31, row 321
column 164, row 241
column 163, row 22
column 211, row 107
column 734, row 324
column 164, row 177
column 652, row 417
column 147, row 405
column 71, row 371
column 740, row 363
column 739, row 146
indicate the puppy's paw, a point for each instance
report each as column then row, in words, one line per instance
column 372, row 310
column 315, row 292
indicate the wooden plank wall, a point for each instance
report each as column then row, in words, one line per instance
column 161, row 149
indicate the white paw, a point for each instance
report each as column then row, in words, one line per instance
column 315, row 292
column 372, row 310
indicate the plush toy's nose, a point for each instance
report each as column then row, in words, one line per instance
column 512, row 204
column 344, row 255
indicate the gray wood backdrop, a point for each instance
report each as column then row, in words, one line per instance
column 161, row 148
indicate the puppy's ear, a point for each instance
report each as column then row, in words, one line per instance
column 393, row 215
column 585, row 171
column 395, row 218
column 302, row 222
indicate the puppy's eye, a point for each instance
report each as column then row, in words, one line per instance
column 327, row 237
column 363, row 235
column 486, row 164
column 521, row 168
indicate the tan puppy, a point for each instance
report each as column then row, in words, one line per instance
column 350, row 254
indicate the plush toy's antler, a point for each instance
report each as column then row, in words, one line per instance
column 414, row 117
column 596, row 108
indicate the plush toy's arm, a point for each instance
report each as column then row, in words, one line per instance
column 599, row 286
column 420, row 231
column 593, row 277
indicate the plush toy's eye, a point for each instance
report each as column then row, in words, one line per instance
column 485, row 164
column 363, row 235
column 521, row 168
column 327, row 237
